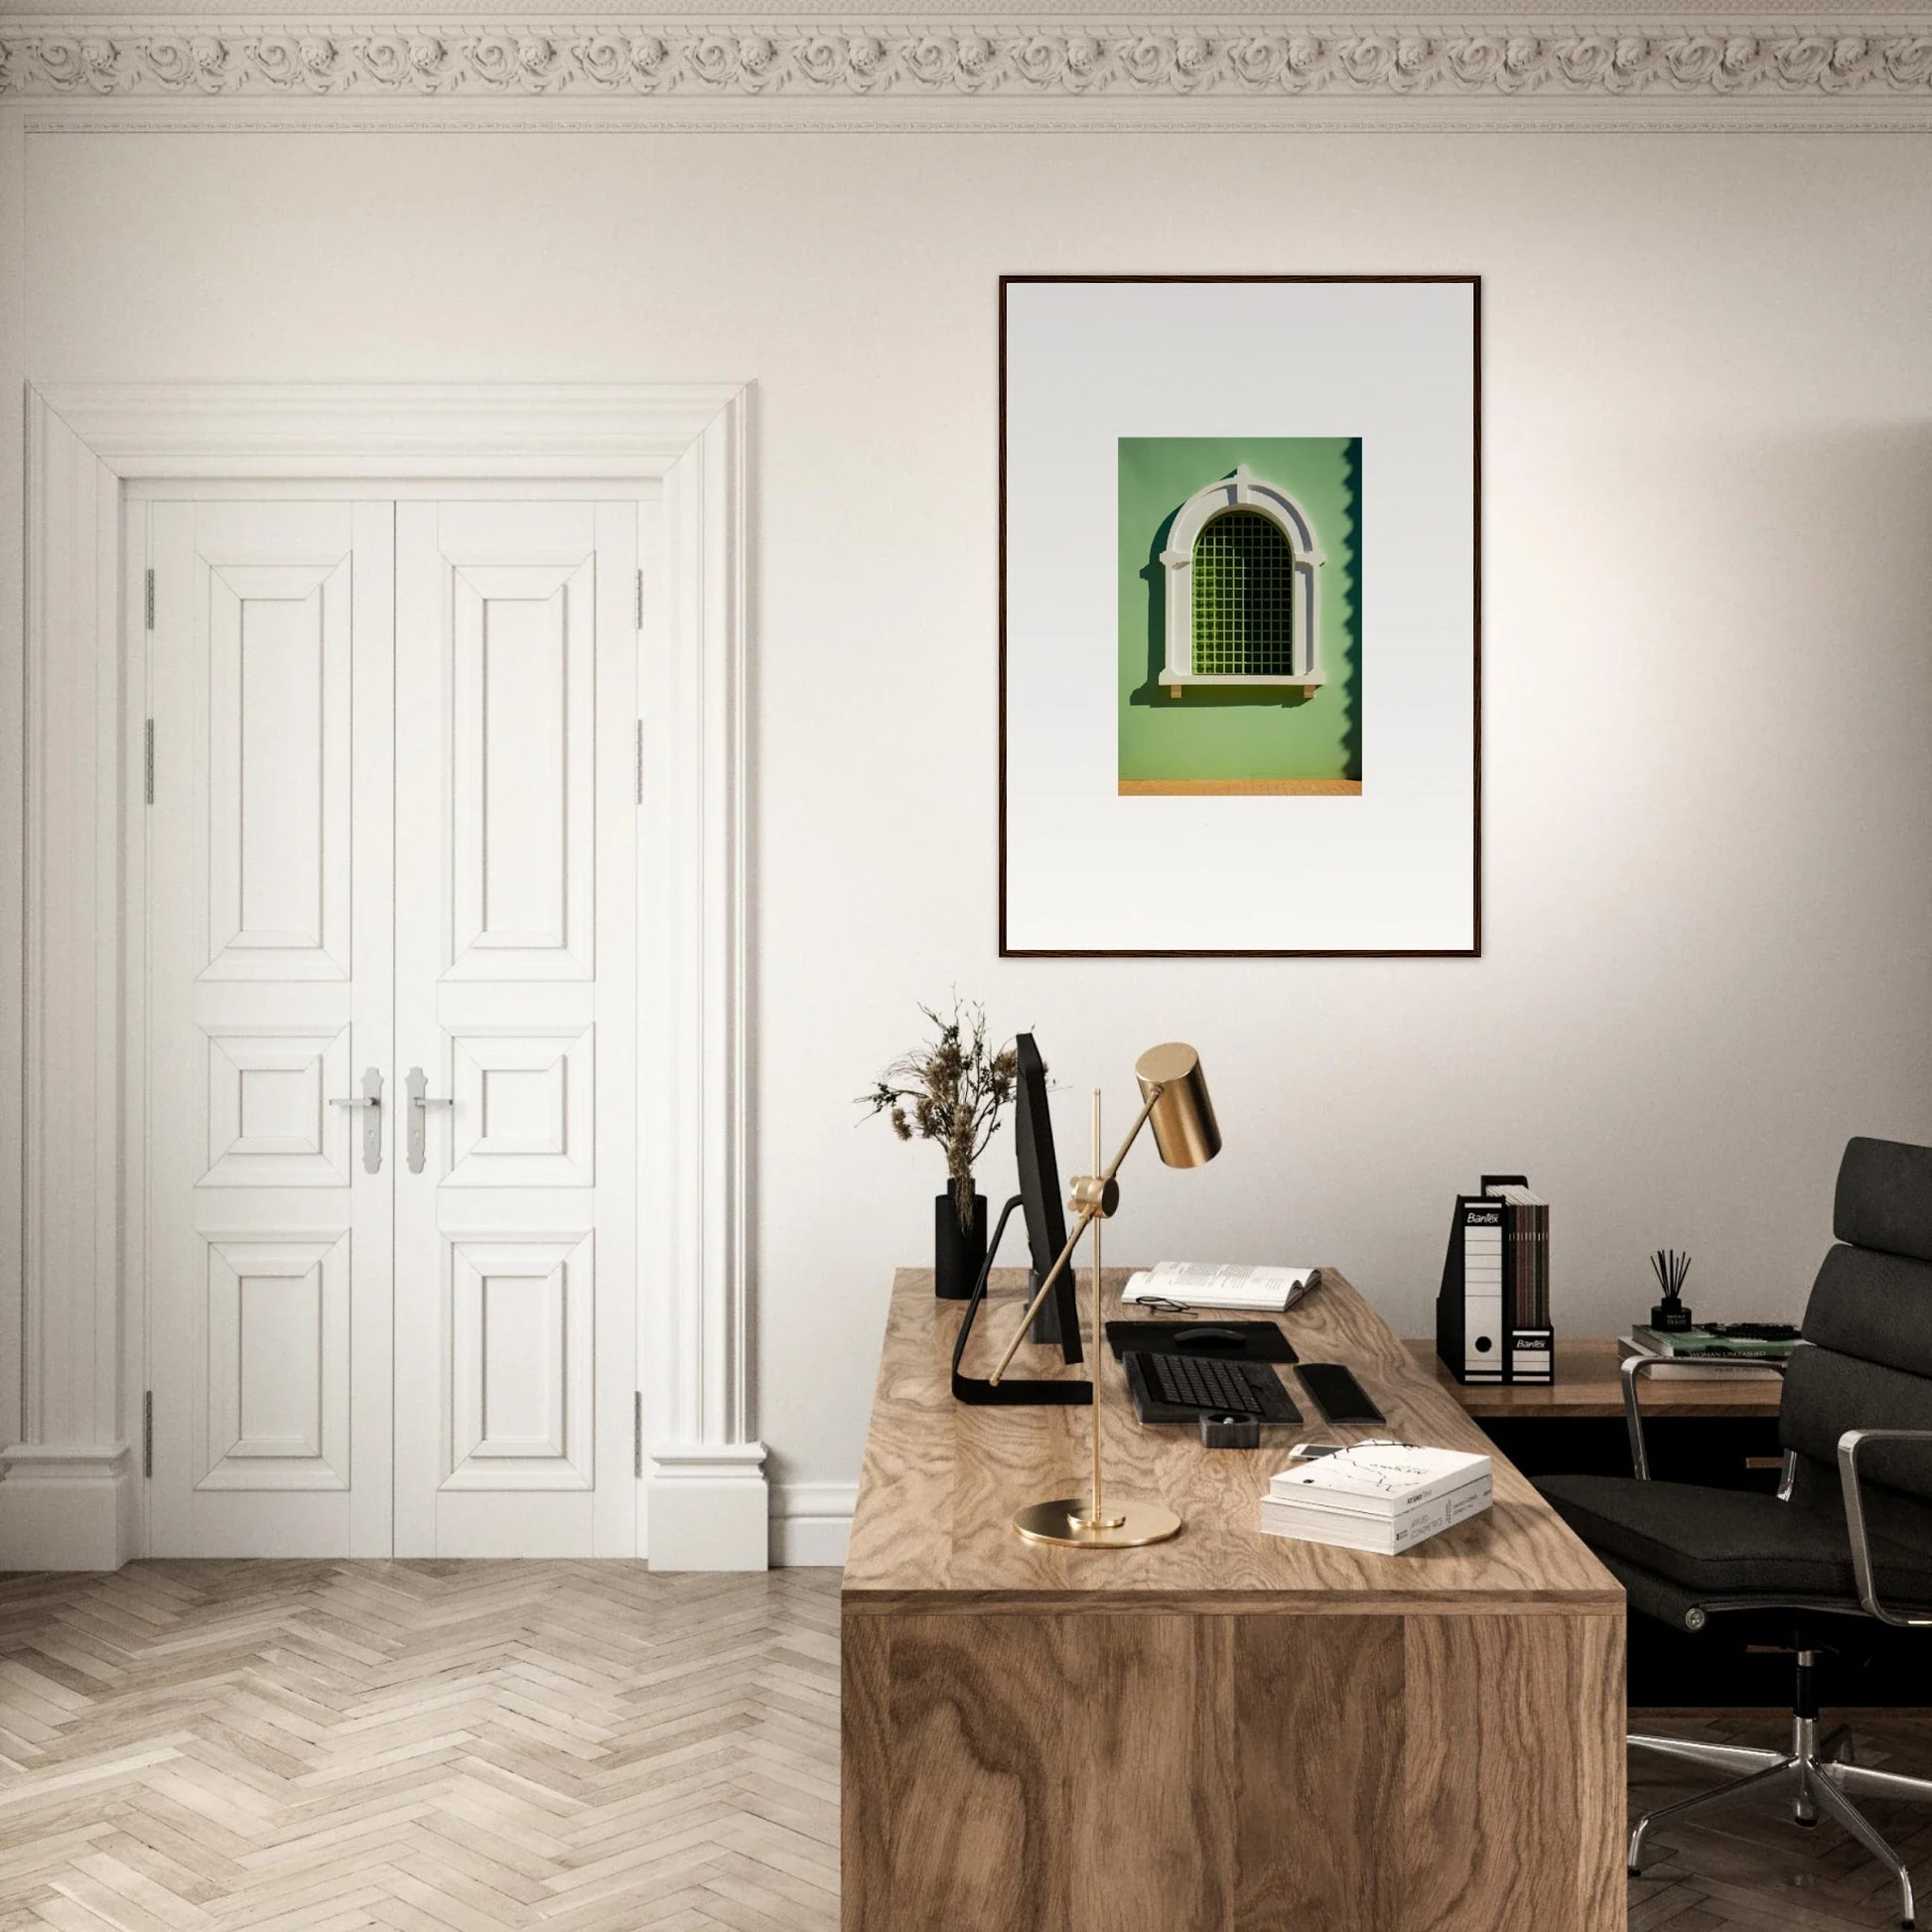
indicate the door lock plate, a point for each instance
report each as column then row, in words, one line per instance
column 369, row 1100
column 420, row 1102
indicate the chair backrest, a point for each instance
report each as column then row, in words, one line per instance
column 1870, row 1327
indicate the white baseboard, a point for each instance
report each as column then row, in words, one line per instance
column 709, row 1507
column 66, row 1508
column 811, row 1523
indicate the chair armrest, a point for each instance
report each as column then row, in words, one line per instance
column 1849, row 1445
column 1635, row 1367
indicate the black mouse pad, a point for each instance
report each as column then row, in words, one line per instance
column 1221, row 1342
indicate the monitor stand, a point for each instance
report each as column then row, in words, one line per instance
column 1047, row 1324
column 1011, row 1391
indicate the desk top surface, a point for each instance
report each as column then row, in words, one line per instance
column 941, row 1480
column 1589, row 1385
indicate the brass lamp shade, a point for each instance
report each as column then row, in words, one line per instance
column 1183, row 1116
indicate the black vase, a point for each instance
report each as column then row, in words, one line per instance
column 957, row 1256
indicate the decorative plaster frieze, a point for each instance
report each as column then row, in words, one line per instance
column 614, row 60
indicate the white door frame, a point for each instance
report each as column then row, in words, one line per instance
column 70, row 1477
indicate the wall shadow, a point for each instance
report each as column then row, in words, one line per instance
column 1351, row 550
column 1151, row 575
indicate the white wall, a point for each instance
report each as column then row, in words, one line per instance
column 1708, row 680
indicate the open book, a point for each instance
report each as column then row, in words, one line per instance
column 1212, row 1285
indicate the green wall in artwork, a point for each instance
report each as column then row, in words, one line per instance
column 1236, row 735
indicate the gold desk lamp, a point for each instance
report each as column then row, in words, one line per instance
column 1175, row 1101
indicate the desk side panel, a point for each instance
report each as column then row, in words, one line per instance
column 864, row 1773
column 1151, row 1773
column 954, row 1775
column 1514, row 1780
column 1319, row 1737
column 1151, row 1770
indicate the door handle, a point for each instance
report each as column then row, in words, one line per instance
column 420, row 1102
column 371, row 1101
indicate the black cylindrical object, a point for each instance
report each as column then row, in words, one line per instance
column 959, row 1254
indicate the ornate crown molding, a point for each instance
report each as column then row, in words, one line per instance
column 1806, row 68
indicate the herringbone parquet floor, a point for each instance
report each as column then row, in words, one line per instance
column 461, row 1748
column 431, row 1746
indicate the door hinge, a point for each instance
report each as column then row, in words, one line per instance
column 640, row 761
column 146, row 1434
column 147, row 761
column 640, row 599
column 637, row 1433
column 150, row 600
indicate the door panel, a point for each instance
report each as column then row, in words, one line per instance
column 522, row 1408
column 525, row 1103
column 515, row 1244
column 278, row 1362
column 521, row 793
column 278, row 654
column 269, row 962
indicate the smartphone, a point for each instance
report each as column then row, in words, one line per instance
column 1337, row 1393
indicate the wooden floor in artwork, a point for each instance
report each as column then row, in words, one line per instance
column 457, row 1748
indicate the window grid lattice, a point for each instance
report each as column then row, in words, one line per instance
column 1244, row 598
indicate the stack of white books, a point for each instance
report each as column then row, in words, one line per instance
column 1219, row 1285
column 1379, row 1496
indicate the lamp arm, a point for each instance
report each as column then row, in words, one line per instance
column 1088, row 1215
column 1133, row 1133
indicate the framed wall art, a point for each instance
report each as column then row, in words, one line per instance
column 1240, row 615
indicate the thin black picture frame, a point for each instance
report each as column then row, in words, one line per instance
column 1474, row 949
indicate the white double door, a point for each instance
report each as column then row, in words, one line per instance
column 390, row 859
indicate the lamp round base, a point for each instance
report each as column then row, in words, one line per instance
column 1063, row 1521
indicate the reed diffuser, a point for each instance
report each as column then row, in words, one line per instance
column 1670, row 1315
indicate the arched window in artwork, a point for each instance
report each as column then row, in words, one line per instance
column 1241, row 567
column 1244, row 598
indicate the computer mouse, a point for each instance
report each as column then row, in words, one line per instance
column 1208, row 1337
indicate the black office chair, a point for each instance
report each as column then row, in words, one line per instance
column 1848, row 1536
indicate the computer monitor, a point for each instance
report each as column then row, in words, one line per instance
column 1039, row 1200
column 1039, row 1195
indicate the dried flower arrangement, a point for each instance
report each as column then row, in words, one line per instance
column 952, row 1090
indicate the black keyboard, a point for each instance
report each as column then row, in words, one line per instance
column 1209, row 1386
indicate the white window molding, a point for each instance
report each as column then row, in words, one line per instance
column 1244, row 491
column 69, row 1475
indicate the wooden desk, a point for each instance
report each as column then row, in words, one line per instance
column 1719, row 1433
column 1587, row 1386
column 1228, row 1730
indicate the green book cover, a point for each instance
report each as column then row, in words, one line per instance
column 1701, row 1342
